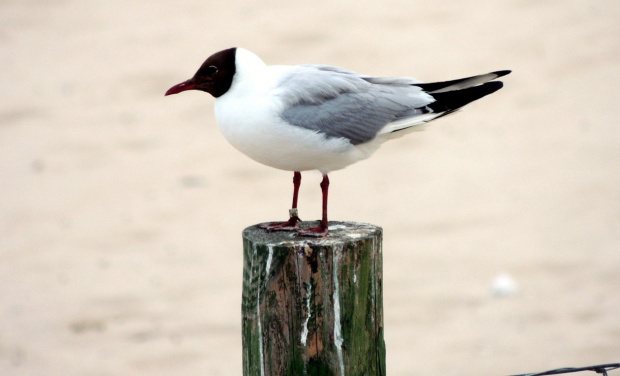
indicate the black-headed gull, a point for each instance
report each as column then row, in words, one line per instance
column 319, row 117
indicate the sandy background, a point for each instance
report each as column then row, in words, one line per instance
column 121, row 210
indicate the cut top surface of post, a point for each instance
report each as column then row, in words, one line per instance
column 339, row 232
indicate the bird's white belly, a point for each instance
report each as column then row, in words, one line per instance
column 257, row 130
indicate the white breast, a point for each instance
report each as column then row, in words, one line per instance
column 255, row 128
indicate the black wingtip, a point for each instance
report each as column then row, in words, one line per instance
column 502, row 72
column 461, row 83
column 491, row 87
column 451, row 101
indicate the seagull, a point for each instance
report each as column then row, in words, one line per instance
column 319, row 117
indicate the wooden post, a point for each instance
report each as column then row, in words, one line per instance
column 313, row 306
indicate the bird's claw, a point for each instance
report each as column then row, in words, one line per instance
column 316, row 232
column 291, row 225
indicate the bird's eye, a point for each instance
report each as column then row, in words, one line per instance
column 211, row 70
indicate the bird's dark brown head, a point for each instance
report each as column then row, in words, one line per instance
column 214, row 76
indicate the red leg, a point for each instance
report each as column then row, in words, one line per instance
column 321, row 229
column 296, row 184
column 292, row 222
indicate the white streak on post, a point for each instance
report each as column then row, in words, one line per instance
column 336, row 297
column 258, row 315
column 304, row 332
column 269, row 258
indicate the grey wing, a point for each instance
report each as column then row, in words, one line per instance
column 340, row 103
column 398, row 81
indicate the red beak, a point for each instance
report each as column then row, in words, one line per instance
column 183, row 86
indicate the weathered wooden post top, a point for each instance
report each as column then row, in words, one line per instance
column 313, row 306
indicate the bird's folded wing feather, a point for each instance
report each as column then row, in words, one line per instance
column 340, row 103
